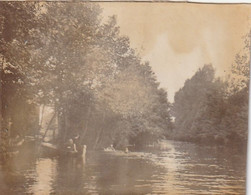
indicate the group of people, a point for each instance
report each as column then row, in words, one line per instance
column 112, row 149
column 74, row 145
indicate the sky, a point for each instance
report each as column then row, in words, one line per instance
column 179, row 38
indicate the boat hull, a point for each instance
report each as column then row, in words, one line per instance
column 52, row 149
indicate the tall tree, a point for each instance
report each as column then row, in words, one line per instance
column 88, row 72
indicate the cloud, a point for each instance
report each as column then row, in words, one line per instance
column 178, row 38
column 171, row 68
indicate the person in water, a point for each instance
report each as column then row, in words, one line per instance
column 112, row 148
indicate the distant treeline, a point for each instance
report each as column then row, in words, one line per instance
column 65, row 56
column 210, row 110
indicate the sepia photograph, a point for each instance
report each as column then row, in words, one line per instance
column 124, row 98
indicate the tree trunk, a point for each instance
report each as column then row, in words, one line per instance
column 100, row 134
column 61, row 125
column 65, row 117
column 41, row 121
column 1, row 95
column 49, row 125
column 54, row 130
column 87, row 120
column 42, row 116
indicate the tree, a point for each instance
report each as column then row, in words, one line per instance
column 88, row 73
column 189, row 102
column 17, row 20
column 208, row 110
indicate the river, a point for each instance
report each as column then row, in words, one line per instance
column 171, row 168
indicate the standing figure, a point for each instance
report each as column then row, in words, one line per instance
column 71, row 147
column 78, row 145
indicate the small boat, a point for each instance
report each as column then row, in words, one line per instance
column 15, row 145
column 32, row 138
column 56, row 150
column 49, row 146
column 12, row 153
column 109, row 150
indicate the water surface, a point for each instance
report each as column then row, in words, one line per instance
column 171, row 168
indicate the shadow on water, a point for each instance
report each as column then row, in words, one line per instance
column 172, row 168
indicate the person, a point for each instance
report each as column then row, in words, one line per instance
column 78, row 145
column 112, row 148
column 71, row 147
column 84, row 152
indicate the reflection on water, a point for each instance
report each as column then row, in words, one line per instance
column 172, row 168
column 44, row 176
column 197, row 170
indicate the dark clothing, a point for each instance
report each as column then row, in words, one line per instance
column 78, row 144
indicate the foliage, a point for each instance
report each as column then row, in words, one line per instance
column 64, row 56
column 209, row 110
